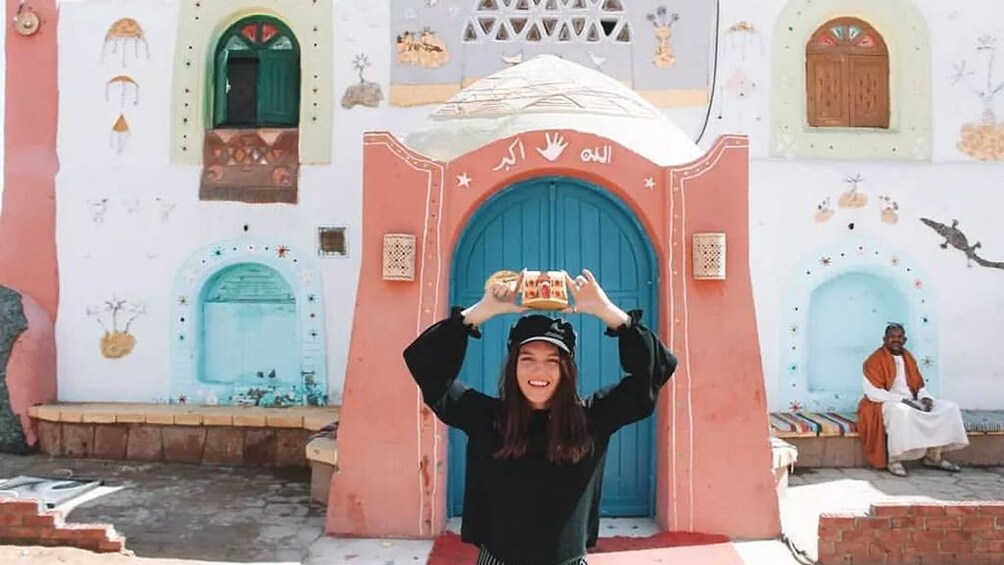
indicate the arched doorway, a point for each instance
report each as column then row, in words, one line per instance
column 553, row 223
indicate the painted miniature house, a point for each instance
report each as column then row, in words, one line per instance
column 313, row 183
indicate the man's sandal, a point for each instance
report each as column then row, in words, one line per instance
column 943, row 464
column 896, row 468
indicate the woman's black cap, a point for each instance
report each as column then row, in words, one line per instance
column 537, row 327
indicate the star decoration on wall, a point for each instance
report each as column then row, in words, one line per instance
column 463, row 181
column 825, row 261
column 650, row 183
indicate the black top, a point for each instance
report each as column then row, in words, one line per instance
column 528, row 511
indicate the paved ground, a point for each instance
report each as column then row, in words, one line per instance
column 188, row 515
column 191, row 512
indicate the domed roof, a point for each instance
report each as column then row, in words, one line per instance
column 549, row 93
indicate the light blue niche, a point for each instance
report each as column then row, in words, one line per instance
column 836, row 307
column 248, row 328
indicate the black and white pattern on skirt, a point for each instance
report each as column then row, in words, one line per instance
column 485, row 557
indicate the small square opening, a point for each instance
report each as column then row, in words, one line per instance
column 332, row 242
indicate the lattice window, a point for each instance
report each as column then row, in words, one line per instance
column 548, row 21
column 847, row 76
column 399, row 257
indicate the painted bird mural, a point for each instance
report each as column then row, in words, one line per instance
column 954, row 237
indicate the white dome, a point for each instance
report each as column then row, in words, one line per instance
column 549, row 93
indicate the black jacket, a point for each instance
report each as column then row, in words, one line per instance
column 529, row 511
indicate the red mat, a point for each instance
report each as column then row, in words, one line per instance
column 449, row 550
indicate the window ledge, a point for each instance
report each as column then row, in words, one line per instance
column 822, row 130
column 805, row 142
column 256, row 165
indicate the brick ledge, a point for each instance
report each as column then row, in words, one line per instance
column 311, row 418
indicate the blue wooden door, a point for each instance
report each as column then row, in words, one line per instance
column 555, row 223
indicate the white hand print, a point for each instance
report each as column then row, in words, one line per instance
column 556, row 145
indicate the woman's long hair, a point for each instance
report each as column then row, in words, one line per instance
column 568, row 439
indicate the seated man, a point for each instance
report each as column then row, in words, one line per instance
column 896, row 405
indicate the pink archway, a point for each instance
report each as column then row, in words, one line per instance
column 392, row 450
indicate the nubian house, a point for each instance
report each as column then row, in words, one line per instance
column 228, row 218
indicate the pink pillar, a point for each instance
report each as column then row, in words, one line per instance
column 28, row 220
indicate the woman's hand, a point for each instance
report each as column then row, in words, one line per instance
column 499, row 298
column 590, row 299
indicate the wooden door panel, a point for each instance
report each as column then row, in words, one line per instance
column 826, row 91
column 869, row 91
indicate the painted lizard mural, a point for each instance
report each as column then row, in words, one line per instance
column 954, row 237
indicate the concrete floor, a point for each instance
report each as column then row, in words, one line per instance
column 185, row 514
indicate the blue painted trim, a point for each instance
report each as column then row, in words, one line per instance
column 863, row 254
column 186, row 339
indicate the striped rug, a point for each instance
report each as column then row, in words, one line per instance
column 810, row 424
column 826, row 424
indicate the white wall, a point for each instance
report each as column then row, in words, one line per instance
column 969, row 301
column 784, row 195
column 135, row 255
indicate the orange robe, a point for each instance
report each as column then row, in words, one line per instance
column 880, row 370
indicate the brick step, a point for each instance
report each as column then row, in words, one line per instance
column 27, row 522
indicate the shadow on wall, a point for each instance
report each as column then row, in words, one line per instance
column 838, row 303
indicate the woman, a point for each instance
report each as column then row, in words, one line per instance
column 535, row 454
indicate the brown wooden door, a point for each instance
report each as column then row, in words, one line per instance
column 847, row 76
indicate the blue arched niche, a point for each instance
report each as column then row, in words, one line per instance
column 244, row 307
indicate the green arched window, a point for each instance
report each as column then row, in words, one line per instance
column 257, row 75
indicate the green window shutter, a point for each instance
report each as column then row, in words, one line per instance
column 278, row 87
column 220, row 88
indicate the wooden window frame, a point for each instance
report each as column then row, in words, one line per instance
column 846, row 54
column 262, row 50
